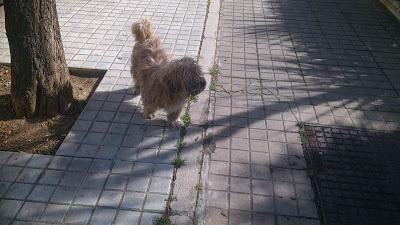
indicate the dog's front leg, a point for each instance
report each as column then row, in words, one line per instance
column 136, row 89
column 173, row 118
column 148, row 111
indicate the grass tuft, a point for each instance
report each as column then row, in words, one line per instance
column 180, row 144
column 178, row 162
column 193, row 98
column 214, row 71
column 162, row 221
column 186, row 119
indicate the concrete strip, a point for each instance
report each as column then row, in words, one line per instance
column 188, row 205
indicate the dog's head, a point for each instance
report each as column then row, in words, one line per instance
column 186, row 77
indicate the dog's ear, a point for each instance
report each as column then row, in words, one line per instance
column 172, row 78
column 172, row 82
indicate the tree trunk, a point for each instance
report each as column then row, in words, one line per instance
column 40, row 83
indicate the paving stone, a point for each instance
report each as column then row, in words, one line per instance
column 149, row 218
column 9, row 208
column 4, row 156
column 54, row 213
column 73, row 179
column 29, row 175
column 122, row 167
column 103, row 216
column 143, row 169
column 129, row 154
column 101, row 166
column 286, row 206
column 284, row 189
column 125, row 217
column 239, row 185
column 163, row 170
column 101, row 127
column 68, row 148
column 217, row 182
column 110, row 198
column 160, row 185
column 81, row 125
column 220, row 154
column 282, row 174
column 116, row 182
column 240, row 170
column 240, row 156
column 167, row 156
column 240, row 201
column 64, row 195
column 74, row 137
column 41, row 193
column 155, row 202
column 87, row 197
column 138, row 184
column 240, row 143
column 220, row 168
column 107, row 152
column 113, row 139
column 31, row 211
column 263, row 204
column 59, row 162
column 218, row 199
column 19, row 191
column 39, row 161
column 94, row 138
column 4, row 187
column 95, row 180
column 150, row 155
column 239, row 217
column 19, row 159
column 118, row 128
column 259, row 145
column 260, row 158
column 307, row 208
column 9, row 173
column 79, row 164
column 78, row 215
column 133, row 200
column 304, row 191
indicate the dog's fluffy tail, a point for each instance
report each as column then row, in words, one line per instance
column 142, row 30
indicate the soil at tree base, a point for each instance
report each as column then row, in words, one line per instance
column 39, row 135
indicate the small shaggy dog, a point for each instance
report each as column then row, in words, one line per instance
column 161, row 83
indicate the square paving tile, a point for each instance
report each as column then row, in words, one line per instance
column 155, row 202
column 78, row 215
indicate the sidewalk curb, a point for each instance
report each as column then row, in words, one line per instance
column 188, row 205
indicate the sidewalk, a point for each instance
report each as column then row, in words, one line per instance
column 282, row 62
column 113, row 167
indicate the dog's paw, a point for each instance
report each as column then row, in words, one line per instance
column 136, row 91
column 148, row 115
column 176, row 124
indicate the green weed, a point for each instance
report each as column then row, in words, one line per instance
column 178, row 162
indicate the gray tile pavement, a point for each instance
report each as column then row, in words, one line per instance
column 281, row 62
column 113, row 166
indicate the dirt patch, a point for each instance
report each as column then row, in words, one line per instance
column 39, row 135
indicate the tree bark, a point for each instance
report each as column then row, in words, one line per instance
column 40, row 83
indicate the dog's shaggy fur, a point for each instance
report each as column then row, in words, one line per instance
column 147, row 47
column 161, row 83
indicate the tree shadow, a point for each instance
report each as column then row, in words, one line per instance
column 323, row 62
